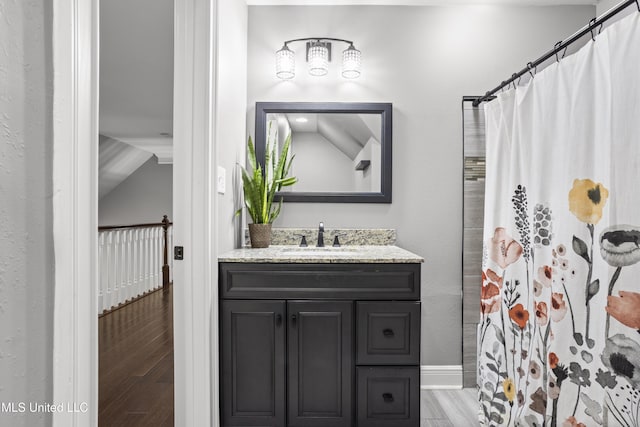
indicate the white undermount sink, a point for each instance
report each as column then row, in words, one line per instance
column 324, row 251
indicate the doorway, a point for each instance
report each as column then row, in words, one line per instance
column 75, row 200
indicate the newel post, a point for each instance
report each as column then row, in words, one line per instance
column 165, row 254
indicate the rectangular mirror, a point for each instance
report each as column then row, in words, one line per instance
column 343, row 150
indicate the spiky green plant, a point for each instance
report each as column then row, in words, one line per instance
column 260, row 185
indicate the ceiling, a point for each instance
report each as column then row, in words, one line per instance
column 136, row 74
column 418, row 2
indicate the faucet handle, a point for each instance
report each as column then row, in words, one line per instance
column 303, row 241
column 336, row 241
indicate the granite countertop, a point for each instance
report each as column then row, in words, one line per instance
column 368, row 254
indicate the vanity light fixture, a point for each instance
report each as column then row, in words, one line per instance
column 318, row 57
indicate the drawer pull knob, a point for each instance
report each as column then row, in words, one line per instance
column 388, row 397
column 388, row 333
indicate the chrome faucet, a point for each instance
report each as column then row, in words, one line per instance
column 321, row 235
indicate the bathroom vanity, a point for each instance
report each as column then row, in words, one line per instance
column 320, row 337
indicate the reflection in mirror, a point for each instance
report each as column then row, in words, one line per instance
column 333, row 152
column 342, row 150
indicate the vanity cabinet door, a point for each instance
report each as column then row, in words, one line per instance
column 253, row 363
column 320, row 363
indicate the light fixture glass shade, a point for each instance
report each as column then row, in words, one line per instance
column 285, row 63
column 318, row 58
column 351, row 63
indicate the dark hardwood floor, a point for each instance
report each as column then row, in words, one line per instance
column 136, row 363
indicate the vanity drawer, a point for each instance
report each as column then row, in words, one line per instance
column 388, row 333
column 319, row 281
column 388, row 396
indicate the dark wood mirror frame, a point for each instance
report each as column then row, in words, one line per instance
column 385, row 111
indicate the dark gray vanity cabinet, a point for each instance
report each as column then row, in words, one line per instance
column 320, row 363
column 315, row 345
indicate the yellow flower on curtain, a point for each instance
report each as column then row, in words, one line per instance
column 586, row 200
column 509, row 389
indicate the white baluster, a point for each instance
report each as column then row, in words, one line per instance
column 152, row 284
column 102, row 271
column 134, row 261
column 140, row 261
column 129, row 263
column 158, row 258
column 147, row 259
column 109, row 270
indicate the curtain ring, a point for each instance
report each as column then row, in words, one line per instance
column 530, row 67
column 591, row 27
column 556, row 49
column 513, row 79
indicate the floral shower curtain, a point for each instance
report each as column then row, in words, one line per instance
column 559, row 338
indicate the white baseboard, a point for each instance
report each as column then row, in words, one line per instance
column 440, row 377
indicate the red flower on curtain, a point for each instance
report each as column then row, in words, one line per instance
column 553, row 360
column 519, row 315
column 490, row 299
column 503, row 249
column 625, row 308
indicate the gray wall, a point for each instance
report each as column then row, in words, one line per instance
column 143, row 197
column 423, row 60
column 26, row 238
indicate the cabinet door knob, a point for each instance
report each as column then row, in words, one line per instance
column 388, row 397
column 293, row 319
column 388, row 333
column 278, row 319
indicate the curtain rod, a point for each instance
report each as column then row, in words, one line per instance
column 531, row 66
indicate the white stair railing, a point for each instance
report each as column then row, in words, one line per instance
column 133, row 260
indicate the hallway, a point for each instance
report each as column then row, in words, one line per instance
column 136, row 363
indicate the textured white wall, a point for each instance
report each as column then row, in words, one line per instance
column 143, row 197
column 423, row 60
column 26, row 239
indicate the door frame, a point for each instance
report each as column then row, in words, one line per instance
column 75, row 211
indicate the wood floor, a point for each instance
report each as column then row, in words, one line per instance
column 136, row 363
column 136, row 372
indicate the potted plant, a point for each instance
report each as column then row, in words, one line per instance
column 260, row 186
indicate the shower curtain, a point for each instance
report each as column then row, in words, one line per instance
column 559, row 338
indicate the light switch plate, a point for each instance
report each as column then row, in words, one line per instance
column 222, row 180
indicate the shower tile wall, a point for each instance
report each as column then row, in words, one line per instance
column 474, row 173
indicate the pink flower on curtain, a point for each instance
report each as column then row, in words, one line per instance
column 493, row 276
column 572, row 422
column 541, row 313
column 545, row 275
column 625, row 308
column 503, row 249
column 586, row 200
column 558, row 306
